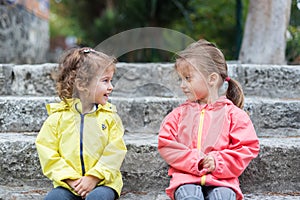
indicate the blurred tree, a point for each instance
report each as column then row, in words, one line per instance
column 125, row 15
column 293, row 41
column 216, row 22
column 98, row 20
column 61, row 22
column 264, row 39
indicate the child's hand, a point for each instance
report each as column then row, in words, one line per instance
column 86, row 184
column 208, row 163
column 72, row 183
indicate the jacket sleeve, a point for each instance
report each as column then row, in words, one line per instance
column 176, row 154
column 243, row 147
column 108, row 166
column 53, row 165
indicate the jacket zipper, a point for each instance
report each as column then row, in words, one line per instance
column 200, row 129
column 81, row 143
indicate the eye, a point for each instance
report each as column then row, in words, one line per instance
column 187, row 78
column 105, row 80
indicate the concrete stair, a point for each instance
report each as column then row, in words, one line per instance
column 154, row 79
column 144, row 171
column 271, row 117
column 144, row 94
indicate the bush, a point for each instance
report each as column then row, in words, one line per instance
column 293, row 46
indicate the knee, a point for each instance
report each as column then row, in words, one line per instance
column 189, row 192
column 220, row 193
column 106, row 193
column 59, row 193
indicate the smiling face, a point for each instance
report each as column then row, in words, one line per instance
column 98, row 89
column 101, row 87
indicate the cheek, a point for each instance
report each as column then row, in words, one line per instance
column 101, row 87
column 96, row 89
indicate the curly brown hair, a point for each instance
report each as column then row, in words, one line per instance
column 210, row 59
column 79, row 65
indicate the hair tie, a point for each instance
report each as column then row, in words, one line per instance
column 227, row 79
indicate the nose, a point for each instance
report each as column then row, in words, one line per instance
column 110, row 86
column 183, row 84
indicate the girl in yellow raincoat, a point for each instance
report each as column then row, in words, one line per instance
column 81, row 145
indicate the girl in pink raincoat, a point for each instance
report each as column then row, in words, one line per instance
column 208, row 141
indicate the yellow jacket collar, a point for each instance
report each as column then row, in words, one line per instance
column 70, row 104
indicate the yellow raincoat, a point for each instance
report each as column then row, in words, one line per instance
column 71, row 145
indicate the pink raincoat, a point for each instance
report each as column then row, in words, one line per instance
column 192, row 131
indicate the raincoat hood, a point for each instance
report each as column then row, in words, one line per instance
column 70, row 104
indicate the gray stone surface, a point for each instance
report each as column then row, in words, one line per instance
column 5, row 78
column 156, row 79
column 144, row 94
column 274, row 170
column 36, row 80
column 143, row 168
column 22, row 114
column 144, row 114
column 22, row 193
column 149, row 79
column 271, row 170
column 24, row 36
column 274, row 117
column 270, row 117
column 272, row 81
column 32, row 81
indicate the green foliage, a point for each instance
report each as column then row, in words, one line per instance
column 94, row 21
column 293, row 46
column 60, row 22
column 295, row 14
column 134, row 14
column 293, row 43
column 213, row 21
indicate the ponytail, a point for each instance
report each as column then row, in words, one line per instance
column 235, row 93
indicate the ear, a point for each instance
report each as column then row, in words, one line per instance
column 213, row 79
column 79, row 87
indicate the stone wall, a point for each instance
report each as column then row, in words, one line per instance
column 24, row 35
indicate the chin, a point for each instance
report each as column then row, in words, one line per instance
column 192, row 99
column 103, row 103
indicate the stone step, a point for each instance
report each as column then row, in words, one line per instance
column 33, row 193
column 271, row 117
column 154, row 79
column 274, row 170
